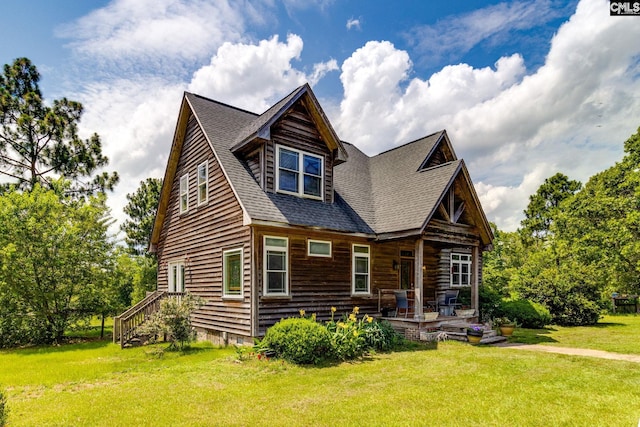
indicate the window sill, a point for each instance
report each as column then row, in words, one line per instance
column 361, row 295
column 276, row 297
column 233, row 298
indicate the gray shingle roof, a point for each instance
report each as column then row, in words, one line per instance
column 399, row 196
column 381, row 194
column 222, row 124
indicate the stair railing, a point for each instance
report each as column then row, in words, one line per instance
column 125, row 325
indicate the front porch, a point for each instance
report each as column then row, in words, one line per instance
column 454, row 327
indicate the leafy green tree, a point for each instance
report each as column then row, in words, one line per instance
column 544, row 205
column 601, row 224
column 54, row 259
column 141, row 210
column 501, row 263
column 39, row 143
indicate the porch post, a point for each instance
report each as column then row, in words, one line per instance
column 418, row 259
column 475, row 260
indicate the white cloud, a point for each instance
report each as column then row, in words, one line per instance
column 511, row 127
column 456, row 35
column 156, row 35
column 136, row 121
column 255, row 76
column 353, row 23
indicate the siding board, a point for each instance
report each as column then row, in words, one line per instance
column 202, row 234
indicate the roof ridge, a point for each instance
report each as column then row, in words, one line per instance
column 224, row 104
column 409, row 143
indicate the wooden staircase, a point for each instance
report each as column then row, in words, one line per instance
column 125, row 325
column 458, row 332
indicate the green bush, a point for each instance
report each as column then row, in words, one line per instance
column 380, row 336
column 490, row 301
column 528, row 314
column 298, row 340
column 577, row 310
column 173, row 320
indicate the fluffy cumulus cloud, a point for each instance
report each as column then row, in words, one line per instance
column 251, row 76
column 514, row 128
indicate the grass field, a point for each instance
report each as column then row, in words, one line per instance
column 97, row 384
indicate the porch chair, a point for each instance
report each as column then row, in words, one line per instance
column 402, row 302
column 450, row 302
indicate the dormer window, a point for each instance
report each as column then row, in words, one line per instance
column 299, row 173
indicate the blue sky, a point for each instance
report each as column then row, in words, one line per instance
column 525, row 89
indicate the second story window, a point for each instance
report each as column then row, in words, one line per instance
column 203, row 183
column 184, row 193
column 299, row 173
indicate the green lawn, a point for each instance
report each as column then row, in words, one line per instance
column 97, row 384
column 617, row 333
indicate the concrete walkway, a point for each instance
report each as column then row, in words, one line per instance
column 572, row 351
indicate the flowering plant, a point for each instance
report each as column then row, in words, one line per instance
column 476, row 330
column 503, row 321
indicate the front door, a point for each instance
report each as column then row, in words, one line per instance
column 406, row 273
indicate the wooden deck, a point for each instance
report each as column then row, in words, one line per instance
column 420, row 329
column 430, row 330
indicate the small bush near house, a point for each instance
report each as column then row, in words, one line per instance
column 380, row 336
column 298, row 340
column 527, row 313
column 304, row 341
column 173, row 320
column 490, row 301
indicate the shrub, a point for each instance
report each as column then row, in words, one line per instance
column 173, row 320
column 490, row 301
column 380, row 336
column 527, row 314
column 298, row 340
column 577, row 310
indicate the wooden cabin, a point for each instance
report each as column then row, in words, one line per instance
column 263, row 215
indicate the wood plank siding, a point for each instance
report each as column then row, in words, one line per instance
column 316, row 284
column 199, row 236
column 297, row 130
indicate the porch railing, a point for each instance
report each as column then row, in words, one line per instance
column 125, row 325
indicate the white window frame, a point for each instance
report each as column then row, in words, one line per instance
column 266, row 248
column 300, row 173
column 315, row 254
column 184, row 193
column 354, row 256
column 176, row 283
column 203, row 183
column 225, row 291
column 462, row 259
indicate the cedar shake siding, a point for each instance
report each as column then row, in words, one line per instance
column 199, row 236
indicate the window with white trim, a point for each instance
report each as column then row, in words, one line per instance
column 276, row 266
column 176, row 276
column 319, row 248
column 232, row 273
column 203, row 182
column 460, row 269
column 361, row 267
column 299, row 173
column 184, row 193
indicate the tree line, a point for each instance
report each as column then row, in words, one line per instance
column 59, row 265
column 576, row 246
